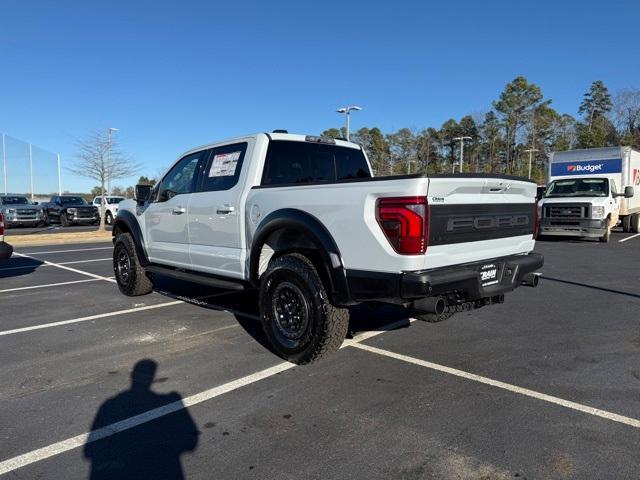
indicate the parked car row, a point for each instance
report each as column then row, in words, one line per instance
column 66, row 210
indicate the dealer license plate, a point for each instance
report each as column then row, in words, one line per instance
column 489, row 274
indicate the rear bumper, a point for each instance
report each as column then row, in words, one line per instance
column 464, row 280
column 573, row 228
column 5, row 250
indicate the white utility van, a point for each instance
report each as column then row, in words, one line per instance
column 590, row 190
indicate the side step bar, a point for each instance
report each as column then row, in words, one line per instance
column 196, row 277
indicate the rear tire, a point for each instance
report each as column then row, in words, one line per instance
column 297, row 317
column 130, row 275
column 626, row 223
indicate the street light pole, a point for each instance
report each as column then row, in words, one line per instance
column 462, row 139
column 347, row 111
column 531, row 150
column 59, row 177
column 109, row 131
column 31, row 170
column 4, row 162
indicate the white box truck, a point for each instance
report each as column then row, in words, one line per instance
column 590, row 190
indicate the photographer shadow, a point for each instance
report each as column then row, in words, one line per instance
column 153, row 448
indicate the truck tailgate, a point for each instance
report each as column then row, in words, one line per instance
column 474, row 218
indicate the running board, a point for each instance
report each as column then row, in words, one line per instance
column 196, row 277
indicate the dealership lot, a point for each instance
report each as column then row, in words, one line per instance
column 545, row 386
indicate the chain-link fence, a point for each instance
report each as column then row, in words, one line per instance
column 27, row 169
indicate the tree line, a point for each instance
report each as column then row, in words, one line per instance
column 520, row 123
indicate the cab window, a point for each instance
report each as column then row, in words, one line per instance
column 181, row 178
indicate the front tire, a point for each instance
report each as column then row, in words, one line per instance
column 108, row 218
column 64, row 220
column 606, row 237
column 130, row 275
column 297, row 317
column 634, row 224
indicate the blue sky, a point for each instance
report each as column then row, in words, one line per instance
column 173, row 75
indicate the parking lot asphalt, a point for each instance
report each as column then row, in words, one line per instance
column 180, row 383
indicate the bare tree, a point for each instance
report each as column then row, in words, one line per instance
column 626, row 110
column 102, row 160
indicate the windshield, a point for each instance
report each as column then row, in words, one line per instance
column 14, row 201
column 578, row 187
column 72, row 201
column 114, row 200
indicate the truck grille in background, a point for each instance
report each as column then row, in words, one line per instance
column 566, row 211
column 84, row 213
column 25, row 214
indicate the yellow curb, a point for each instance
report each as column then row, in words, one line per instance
column 57, row 238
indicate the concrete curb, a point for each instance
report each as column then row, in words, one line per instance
column 58, row 238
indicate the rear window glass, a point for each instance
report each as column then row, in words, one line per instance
column 303, row 162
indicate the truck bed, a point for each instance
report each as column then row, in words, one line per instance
column 471, row 217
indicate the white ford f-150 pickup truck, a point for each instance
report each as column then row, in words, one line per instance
column 302, row 219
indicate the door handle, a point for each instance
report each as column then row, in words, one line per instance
column 226, row 209
column 178, row 210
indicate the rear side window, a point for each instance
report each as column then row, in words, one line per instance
column 223, row 168
column 290, row 162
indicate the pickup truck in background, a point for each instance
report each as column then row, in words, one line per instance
column 5, row 249
column 18, row 210
column 110, row 204
column 70, row 209
column 303, row 220
column 590, row 190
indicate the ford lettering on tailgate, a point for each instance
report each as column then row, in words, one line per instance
column 461, row 223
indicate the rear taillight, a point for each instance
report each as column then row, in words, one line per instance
column 405, row 223
column 536, row 221
column 1, row 224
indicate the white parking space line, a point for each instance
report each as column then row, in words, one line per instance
column 614, row 417
column 49, row 264
column 86, row 261
column 50, row 285
column 128, row 423
column 629, row 238
column 86, row 319
column 70, row 269
column 78, row 441
column 70, row 251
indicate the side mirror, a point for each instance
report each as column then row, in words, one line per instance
column 628, row 192
column 143, row 193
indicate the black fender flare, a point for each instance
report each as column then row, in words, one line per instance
column 314, row 230
column 127, row 222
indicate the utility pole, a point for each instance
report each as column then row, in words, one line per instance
column 347, row 112
column 462, row 139
column 109, row 131
column 59, row 177
column 4, row 162
column 531, row 150
column 31, row 170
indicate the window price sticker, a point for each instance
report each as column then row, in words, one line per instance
column 224, row 164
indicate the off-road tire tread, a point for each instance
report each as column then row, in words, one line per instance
column 336, row 324
column 141, row 284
